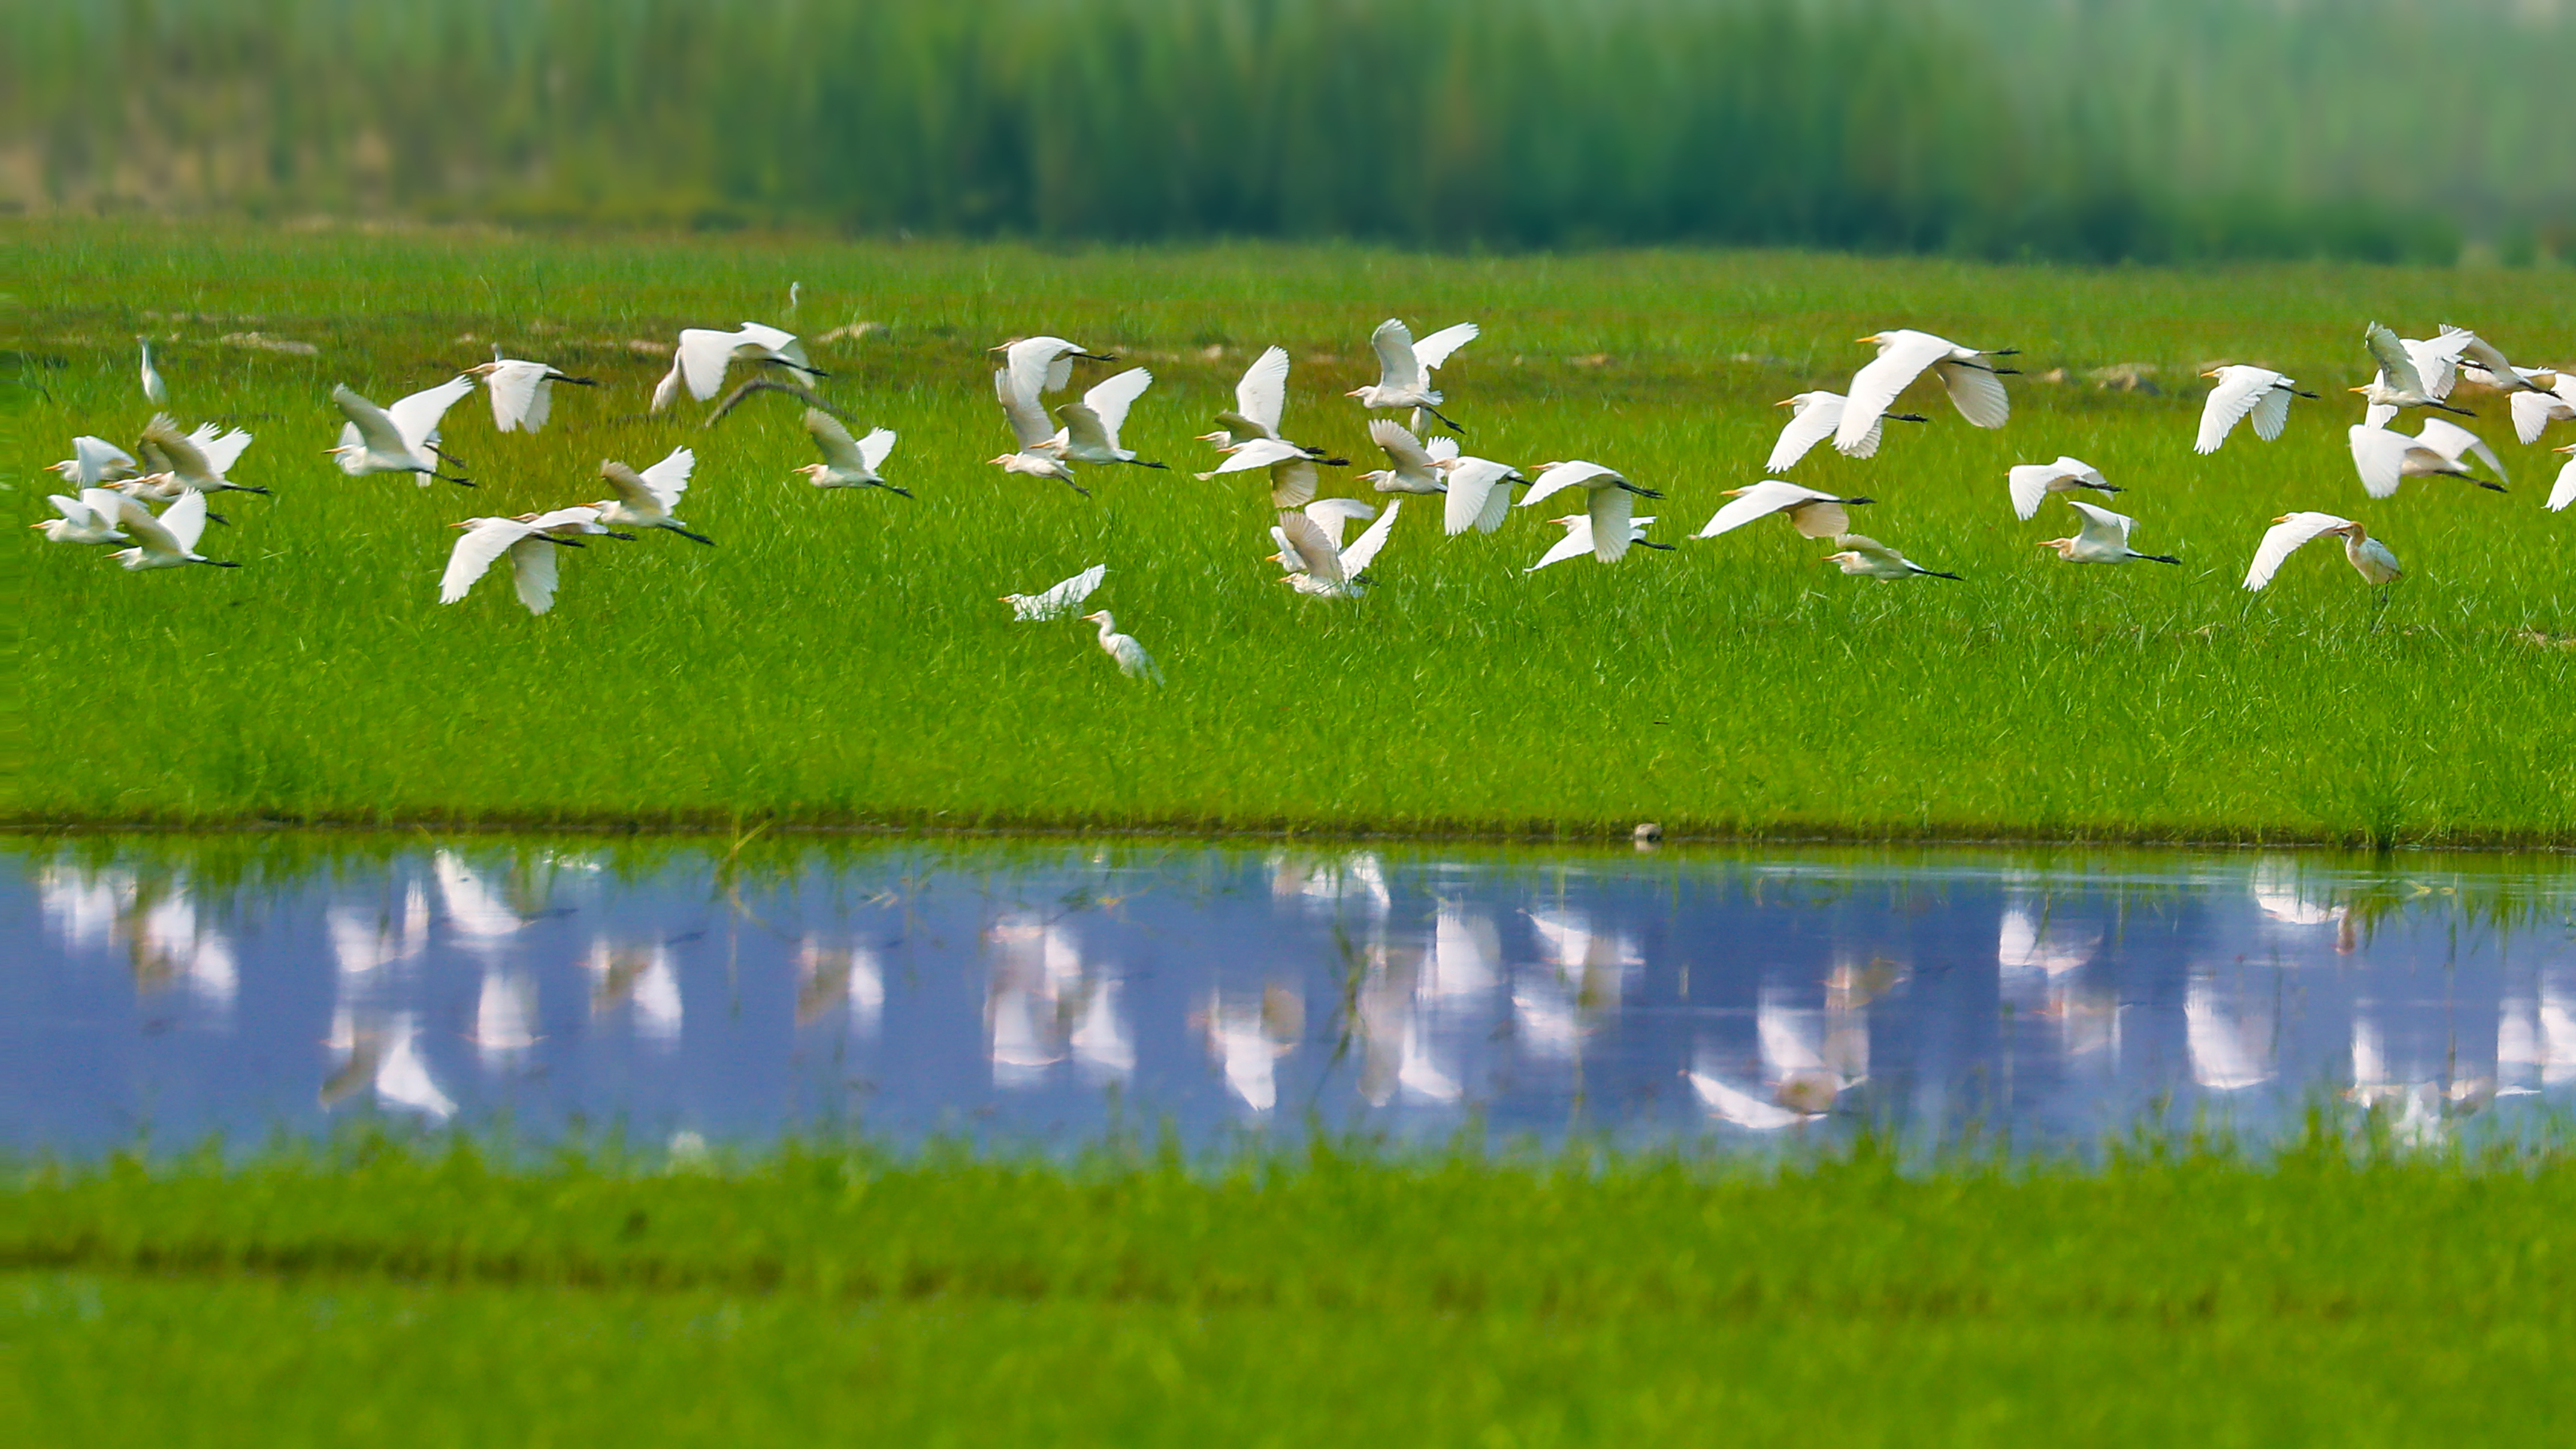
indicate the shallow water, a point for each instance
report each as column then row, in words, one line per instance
column 1044, row 993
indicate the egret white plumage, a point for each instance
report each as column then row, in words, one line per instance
column 847, row 462
column 1057, row 600
column 1583, row 535
column 1973, row 383
column 166, row 542
column 2475, row 352
column 522, row 392
column 1311, row 551
column 2243, row 391
column 1868, row 558
column 95, row 461
column 2385, row 459
column 1131, row 657
column 530, row 544
column 703, row 356
column 90, row 518
column 196, row 460
column 2563, row 492
column 1814, row 417
column 1480, row 493
column 1260, row 398
column 2368, row 556
column 154, row 391
column 1413, row 466
column 399, row 439
column 1813, row 513
column 2104, row 539
column 645, row 499
column 1293, row 479
column 2533, row 412
column 1607, row 502
column 1091, row 426
column 2031, row 483
column 1040, row 454
column 2402, row 381
column 1404, row 367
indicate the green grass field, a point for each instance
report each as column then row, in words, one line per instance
column 840, row 659
column 433, row 1297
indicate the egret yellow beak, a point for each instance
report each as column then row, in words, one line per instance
column 2356, row 389
column 1786, row 402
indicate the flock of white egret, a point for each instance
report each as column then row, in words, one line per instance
column 183, row 470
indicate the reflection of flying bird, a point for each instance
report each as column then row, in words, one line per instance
column 1734, row 1104
column 1975, row 388
column 505, row 1016
column 643, row 976
column 2230, row 1049
column 2244, row 391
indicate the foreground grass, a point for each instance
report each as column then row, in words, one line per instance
column 441, row 1298
column 839, row 660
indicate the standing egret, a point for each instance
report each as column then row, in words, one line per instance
column 2104, row 539
column 2031, row 483
column 645, row 500
column 1132, row 659
column 2401, row 382
column 703, row 355
column 90, row 518
column 1404, row 367
column 2385, row 459
column 1903, row 355
column 1869, row 558
column 522, row 392
column 166, row 542
column 95, row 461
column 2533, row 412
column 399, row 439
column 1040, row 455
column 1583, row 535
column 2563, row 492
column 1813, row 418
column 1090, row 433
column 1815, row 514
column 1292, row 469
column 1312, row 552
column 153, row 390
column 530, row 542
column 1480, row 493
column 1058, row 600
column 1607, row 503
column 1414, row 466
column 196, row 460
column 1260, row 397
column 847, row 463
column 2242, row 390
column 2368, row 556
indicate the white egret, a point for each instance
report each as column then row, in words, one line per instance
column 1607, row 502
column 399, row 439
column 2244, row 390
column 522, row 392
column 1404, row 367
column 1814, row 417
column 2402, row 381
column 90, row 518
column 2031, row 483
column 1132, row 659
column 1310, row 547
column 1041, row 365
column 1414, row 466
column 2564, row 491
column 1867, row 557
column 703, row 356
column 2475, row 352
column 154, row 392
column 2104, row 539
column 1293, row 479
column 1058, row 600
column 1480, row 493
column 166, row 542
column 530, row 543
column 2533, row 412
column 2385, row 459
column 1813, row 513
column 1090, row 433
column 847, row 463
column 196, row 460
column 1583, row 535
column 1903, row 355
column 2368, row 556
column 95, row 461
column 645, row 500
column 1039, row 455
column 1260, row 397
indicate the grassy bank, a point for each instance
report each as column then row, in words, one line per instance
column 838, row 659
column 429, row 1297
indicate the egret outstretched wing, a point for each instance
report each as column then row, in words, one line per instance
column 532, row 573
column 220, row 447
column 520, row 397
column 181, row 452
column 1575, row 474
column 670, row 478
column 96, row 460
column 1610, row 509
column 475, row 550
column 1398, row 368
column 703, row 355
column 1976, row 392
column 2102, row 528
column 1364, row 549
column 1875, row 387
column 1434, row 350
column 2451, row 441
column 1110, row 399
column 1479, row 496
column 1262, row 396
column 2396, row 364
column 1338, row 514
column 1258, row 453
column 1028, row 420
column 1576, row 543
column 2240, row 390
column 1813, row 419
column 1405, row 450
column 1310, row 549
column 1760, row 501
column 2379, row 455
column 2285, row 536
column 834, row 440
column 2563, row 492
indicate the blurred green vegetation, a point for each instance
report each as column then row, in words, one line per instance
column 2148, row 129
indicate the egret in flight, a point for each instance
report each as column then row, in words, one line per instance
column 1041, row 365
column 166, row 542
column 1813, row 513
column 1260, row 397
column 1132, row 659
column 703, row 356
column 2563, row 492
column 847, row 463
column 1404, row 367
column 2242, row 390
column 154, row 392
column 530, row 542
column 1311, row 550
column 1607, row 503
column 196, row 460
column 399, row 439
column 1583, row 535
column 2104, row 539
column 2385, row 459
column 95, row 461
column 2031, row 483
column 645, row 500
column 2533, row 412
column 1412, row 465
column 521, row 392
column 90, row 518
column 2473, row 351
column 1480, row 493
column 1040, row 454
column 1869, row 558
column 1974, row 383
column 1090, row 433
column 1813, row 418
column 2368, row 556
column 1293, row 479
column 1058, row 600
column 2401, row 382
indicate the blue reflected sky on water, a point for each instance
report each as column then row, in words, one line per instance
column 1040, row 992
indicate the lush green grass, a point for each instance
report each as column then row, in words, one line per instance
column 839, row 658
column 437, row 1298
